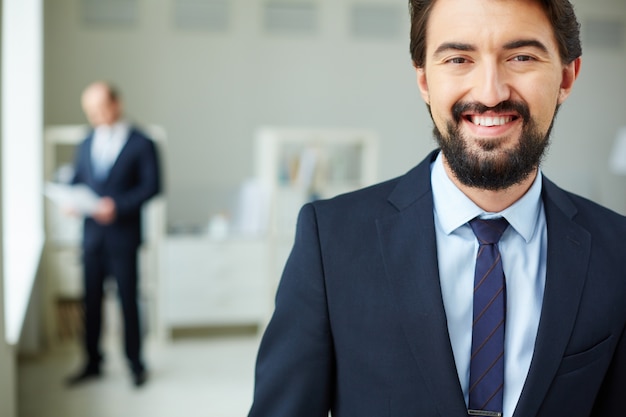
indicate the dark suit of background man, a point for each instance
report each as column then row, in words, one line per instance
column 373, row 314
column 119, row 163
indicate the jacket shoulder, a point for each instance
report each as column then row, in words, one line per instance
column 594, row 217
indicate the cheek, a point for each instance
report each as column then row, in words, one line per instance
column 541, row 101
column 542, row 108
column 442, row 98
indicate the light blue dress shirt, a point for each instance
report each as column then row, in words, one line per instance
column 106, row 146
column 523, row 248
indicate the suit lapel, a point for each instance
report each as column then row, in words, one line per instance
column 86, row 156
column 567, row 258
column 409, row 251
column 121, row 155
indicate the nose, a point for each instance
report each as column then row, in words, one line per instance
column 490, row 85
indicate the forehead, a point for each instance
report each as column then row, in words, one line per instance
column 488, row 23
column 96, row 95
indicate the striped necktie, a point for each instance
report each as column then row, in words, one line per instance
column 487, row 360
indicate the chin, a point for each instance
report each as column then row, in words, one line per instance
column 492, row 145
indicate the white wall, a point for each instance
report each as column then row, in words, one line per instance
column 211, row 91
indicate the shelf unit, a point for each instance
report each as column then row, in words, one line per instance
column 298, row 165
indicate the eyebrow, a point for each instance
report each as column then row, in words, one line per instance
column 466, row 47
column 454, row 46
column 522, row 43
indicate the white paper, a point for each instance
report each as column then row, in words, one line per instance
column 79, row 198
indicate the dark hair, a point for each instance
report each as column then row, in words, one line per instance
column 559, row 12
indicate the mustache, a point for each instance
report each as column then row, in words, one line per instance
column 506, row 106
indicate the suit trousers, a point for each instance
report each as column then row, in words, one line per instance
column 122, row 265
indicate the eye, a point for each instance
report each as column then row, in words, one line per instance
column 523, row 58
column 457, row 60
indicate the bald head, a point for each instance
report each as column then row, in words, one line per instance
column 101, row 104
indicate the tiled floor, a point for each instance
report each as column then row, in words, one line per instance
column 209, row 377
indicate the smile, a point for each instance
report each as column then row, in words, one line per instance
column 490, row 121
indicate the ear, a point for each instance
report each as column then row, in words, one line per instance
column 570, row 74
column 422, row 83
column 119, row 108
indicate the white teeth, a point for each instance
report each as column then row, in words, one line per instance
column 491, row 121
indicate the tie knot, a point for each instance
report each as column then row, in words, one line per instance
column 488, row 231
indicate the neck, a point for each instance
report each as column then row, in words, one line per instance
column 489, row 200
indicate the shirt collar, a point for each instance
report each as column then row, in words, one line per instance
column 118, row 128
column 454, row 209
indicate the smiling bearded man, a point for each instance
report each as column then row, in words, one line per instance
column 471, row 285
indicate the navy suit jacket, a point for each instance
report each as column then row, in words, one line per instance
column 133, row 179
column 359, row 326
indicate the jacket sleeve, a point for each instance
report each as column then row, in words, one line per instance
column 148, row 184
column 295, row 364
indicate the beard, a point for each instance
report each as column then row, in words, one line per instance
column 493, row 169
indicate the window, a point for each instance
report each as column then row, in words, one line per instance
column 22, row 163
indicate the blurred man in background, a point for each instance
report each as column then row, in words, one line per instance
column 120, row 165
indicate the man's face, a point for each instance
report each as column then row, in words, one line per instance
column 493, row 80
column 98, row 106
